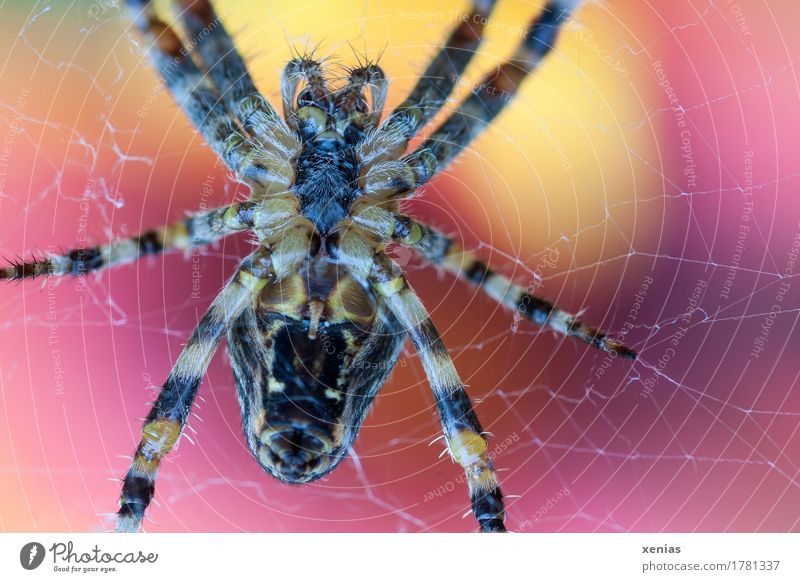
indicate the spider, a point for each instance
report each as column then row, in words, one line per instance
column 318, row 302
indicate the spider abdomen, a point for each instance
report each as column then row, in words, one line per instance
column 302, row 362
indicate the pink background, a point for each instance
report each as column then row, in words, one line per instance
column 583, row 179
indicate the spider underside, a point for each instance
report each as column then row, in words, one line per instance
column 315, row 317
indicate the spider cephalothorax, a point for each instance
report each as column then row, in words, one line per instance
column 316, row 315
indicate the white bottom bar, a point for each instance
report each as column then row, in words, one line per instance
column 353, row 557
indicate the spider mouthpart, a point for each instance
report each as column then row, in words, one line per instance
column 296, row 451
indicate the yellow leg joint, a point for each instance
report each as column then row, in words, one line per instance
column 176, row 236
column 467, row 448
column 159, row 437
column 390, row 287
column 414, row 234
column 231, row 218
column 251, row 282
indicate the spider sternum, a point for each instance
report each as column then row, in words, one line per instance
column 326, row 180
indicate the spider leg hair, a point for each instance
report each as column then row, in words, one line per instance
column 442, row 250
column 194, row 231
column 167, row 418
column 463, row 432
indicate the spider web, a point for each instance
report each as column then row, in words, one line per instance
column 645, row 179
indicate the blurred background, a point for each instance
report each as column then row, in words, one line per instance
column 646, row 176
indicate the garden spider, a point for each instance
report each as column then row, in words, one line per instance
column 318, row 302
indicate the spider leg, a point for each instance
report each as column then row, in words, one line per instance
column 184, row 80
column 222, row 61
column 437, row 82
column 194, row 231
column 463, row 432
column 442, row 250
column 204, row 105
column 228, row 71
column 478, row 110
column 167, row 418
